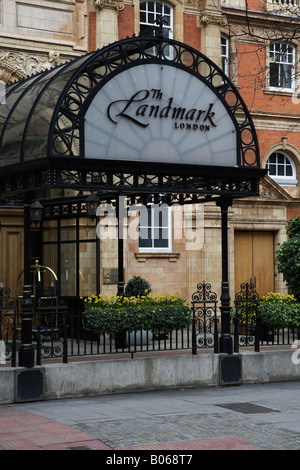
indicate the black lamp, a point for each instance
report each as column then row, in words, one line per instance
column 92, row 202
column 36, row 210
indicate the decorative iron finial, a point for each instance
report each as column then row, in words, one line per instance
column 160, row 20
column 153, row 30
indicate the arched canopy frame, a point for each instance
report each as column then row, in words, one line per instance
column 42, row 130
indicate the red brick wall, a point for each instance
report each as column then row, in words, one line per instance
column 191, row 32
column 256, row 5
column 92, row 31
column 267, row 138
column 252, row 82
column 293, row 211
column 125, row 22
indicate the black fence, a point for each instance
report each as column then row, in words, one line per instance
column 8, row 327
column 59, row 331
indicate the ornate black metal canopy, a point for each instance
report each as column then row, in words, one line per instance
column 42, row 131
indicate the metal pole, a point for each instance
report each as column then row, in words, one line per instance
column 194, row 345
column 26, row 351
column 225, row 339
column 120, row 216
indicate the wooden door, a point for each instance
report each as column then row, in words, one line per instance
column 254, row 260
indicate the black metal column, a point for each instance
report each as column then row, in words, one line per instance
column 26, row 351
column 226, row 344
column 120, row 216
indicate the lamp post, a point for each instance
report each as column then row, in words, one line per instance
column 32, row 213
column 226, row 345
column 92, row 203
column 120, row 216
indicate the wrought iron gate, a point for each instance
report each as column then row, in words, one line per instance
column 8, row 323
column 205, row 321
column 246, row 319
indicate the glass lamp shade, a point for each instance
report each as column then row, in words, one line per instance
column 36, row 210
column 92, row 202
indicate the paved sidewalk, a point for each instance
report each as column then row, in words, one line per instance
column 246, row 417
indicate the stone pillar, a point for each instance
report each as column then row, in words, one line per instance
column 211, row 19
column 107, row 21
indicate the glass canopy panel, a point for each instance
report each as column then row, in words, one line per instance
column 17, row 118
column 151, row 113
column 36, row 134
column 25, row 117
column 14, row 93
column 43, row 114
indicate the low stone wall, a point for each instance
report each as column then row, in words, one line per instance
column 98, row 377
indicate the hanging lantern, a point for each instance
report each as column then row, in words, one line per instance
column 92, row 202
column 36, row 210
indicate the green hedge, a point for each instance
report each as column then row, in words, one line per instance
column 135, row 317
column 275, row 311
column 279, row 311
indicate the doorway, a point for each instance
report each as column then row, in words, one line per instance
column 254, row 260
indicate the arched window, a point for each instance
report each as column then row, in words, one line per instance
column 149, row 11
column 281, row 169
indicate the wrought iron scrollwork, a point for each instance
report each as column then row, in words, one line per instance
column 8, row 320
column 245, row 316
column 205, row 321
column 51, row 328
column 247, row 292
column 66, row 136
column 204, row 293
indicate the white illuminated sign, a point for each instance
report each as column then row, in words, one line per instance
column 159, row 113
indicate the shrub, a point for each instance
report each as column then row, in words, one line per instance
column 245, row 312
column 279, row 311
column 137, row 286
column 288, row 257
column 157, row 313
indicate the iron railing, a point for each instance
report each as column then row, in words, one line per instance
column 59, row 331
column 8, row 326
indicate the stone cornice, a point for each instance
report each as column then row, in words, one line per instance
column 276, row 121
column 259, row 18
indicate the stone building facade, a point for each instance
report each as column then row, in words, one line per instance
column 264, row 66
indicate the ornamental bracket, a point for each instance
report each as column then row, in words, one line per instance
column 112, row 4
column 207, row 19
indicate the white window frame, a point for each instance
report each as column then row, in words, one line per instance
column 150, row 17
column 167, row 225
column 225, row 54
column 283, row 58
column 283, row 180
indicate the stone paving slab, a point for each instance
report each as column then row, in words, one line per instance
column 246, row 417
column 222, row 443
